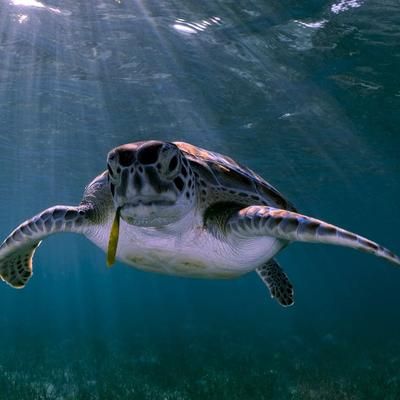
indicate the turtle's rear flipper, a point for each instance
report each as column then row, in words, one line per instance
column 277, row 282
column 17, row 250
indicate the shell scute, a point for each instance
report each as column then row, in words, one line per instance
column 222, row 171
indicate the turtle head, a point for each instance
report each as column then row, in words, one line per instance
column 151, row 183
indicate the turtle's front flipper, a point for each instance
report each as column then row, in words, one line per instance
column 277, row 282
column 17, row 250
column 290, row 226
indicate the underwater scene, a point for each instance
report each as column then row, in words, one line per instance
column 304, row 93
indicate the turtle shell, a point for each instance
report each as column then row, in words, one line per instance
column 232, row 180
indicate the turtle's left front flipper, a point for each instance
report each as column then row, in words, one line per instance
column 293, row 227
column 16, row 252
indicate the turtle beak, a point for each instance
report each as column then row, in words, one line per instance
column 113, row 241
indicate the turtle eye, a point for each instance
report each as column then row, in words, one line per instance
column 110, row 171
column 172, row 167
column 173, row 164
column 169, row 161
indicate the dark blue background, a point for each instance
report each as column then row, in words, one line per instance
column 305, row 93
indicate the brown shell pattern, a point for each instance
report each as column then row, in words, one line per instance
column 231, row 181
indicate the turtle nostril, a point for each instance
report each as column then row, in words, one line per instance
column 137, row 182
column 126, row 158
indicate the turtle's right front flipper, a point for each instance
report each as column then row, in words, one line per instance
column 17, row 250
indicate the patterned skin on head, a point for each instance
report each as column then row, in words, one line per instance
column 151, row 182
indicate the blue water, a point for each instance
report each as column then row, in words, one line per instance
column 305, row 93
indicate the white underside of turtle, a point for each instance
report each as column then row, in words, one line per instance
column 174, row 208
column 186, row 248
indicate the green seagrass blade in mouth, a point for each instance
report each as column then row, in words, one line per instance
column 113, row 241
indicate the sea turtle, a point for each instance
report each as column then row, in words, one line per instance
column 181, row 210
